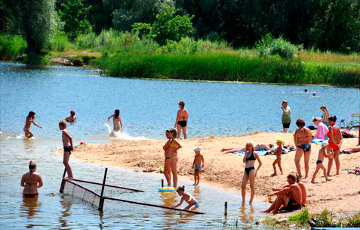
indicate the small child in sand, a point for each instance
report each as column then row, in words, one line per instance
column 30, row 119
column 71, row 117
column 198, row 164
column 68, row 147
column 278, row 152
column 193, row 203
column 323, row 152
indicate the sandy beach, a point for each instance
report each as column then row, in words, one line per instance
column 341, row 195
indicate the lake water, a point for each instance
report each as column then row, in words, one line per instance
column 148, row 107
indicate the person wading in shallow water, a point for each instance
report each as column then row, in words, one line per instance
column 181, row 120
column 31, row 181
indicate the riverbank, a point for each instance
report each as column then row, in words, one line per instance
column 341, row 195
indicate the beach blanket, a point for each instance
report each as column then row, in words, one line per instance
column 260, row 153
column 317, row 141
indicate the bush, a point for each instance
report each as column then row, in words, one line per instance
column 269, row 46
column 59, row 42
column 11, row 46
column 301, row 218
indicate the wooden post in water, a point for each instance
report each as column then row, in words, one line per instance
column 225, row 208
column 101, row 203
column 162, row 183
column 63, row 182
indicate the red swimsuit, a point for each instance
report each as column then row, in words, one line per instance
column 332, row 144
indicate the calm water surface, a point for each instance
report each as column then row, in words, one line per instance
column 147, row 108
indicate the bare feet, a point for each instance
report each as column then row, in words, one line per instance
column 274, row 174
column 327, row 179
column 313, row 182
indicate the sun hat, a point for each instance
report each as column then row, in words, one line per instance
column 197, row 149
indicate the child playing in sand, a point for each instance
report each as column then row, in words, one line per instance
column 71, row 117
column 192, row 202
column 68, row 147
column 323, row 152
column 30, row 119
column 278, row 152
column 198, row 164
column 116, row 120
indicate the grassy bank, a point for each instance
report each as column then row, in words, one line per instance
column 227, row 66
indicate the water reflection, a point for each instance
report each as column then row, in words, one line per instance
column 246, row 217
column 66, row 204
column 29, row 145
column 30, row 206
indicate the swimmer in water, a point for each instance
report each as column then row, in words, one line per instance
column 116, row 120
column 188, row 198
column 181, row 120
column 71, row 117
column 30, row 119
column 31, row 181
column 68, row 147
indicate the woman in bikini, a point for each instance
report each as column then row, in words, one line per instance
column 167, row 161
column 181, row 120
column 249, row 175
column 31, row 181
column 174, row 146
column 116, row 120
column 335, row 142
column 302, row 139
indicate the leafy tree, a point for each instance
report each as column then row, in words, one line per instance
column 74, row 14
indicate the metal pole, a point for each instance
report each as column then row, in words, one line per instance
column 63, row 182
column 101, row 203
column 162, row 183
column 226, row 206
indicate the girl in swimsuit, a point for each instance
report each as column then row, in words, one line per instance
column 174, row 146
column 302, row 139
column 181, row 120
column 30, row 120
column 31, row 181
column 167, row 161
column 335, row 142
column 188, row 198
column 249, row 159
column 116, row 120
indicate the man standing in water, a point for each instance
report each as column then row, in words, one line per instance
column 181, row 120
column 286, row 116
column 31, row 181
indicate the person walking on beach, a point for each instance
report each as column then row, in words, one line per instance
column 325, row 115
column 278, row 153
column 167, row 160
column 286, row 116
column 71, row 117
column 198, row 165
column 249, row 175
column 335, row 142
column 118, row 125
column 68, row 147
column 174, row 146
column 302, row 139
column 30, row 120
column 323, row 152
column 31, row 181
column 321, row 130
column 181, row 120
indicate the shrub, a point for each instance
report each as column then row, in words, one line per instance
column 269, row 46
column 11, row 46
column 301, row 218
column 59, row 42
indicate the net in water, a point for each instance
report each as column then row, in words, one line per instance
column 79, row 191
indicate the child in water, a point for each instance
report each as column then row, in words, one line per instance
column 71, row 117
column 192, row 202
column 68, row 147
column 323, row 152
column 278, row 152
column 198, row 164
column 30, row 119
column 116, row 120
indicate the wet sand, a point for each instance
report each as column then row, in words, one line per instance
column 341, row 195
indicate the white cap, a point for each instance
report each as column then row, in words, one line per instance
column 197, row 149
column 324, row 143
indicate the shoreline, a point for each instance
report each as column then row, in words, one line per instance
column 224, row 171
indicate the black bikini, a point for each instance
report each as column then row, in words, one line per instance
column 248, row 169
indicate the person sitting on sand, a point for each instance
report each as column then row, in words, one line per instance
column 351, row 150
column 31, row 181
column 118, row 125
column 68, row 147
column 278, row 153
column 303, row 190
column 335, row 142
column 174, row 146
column 167, row 160
column 188, row 198
column 289, row 198
column 249, row 175
column 322, row 129
column 302, row 139
column 323, row 152
column 198, row 165
column 30, row 119
column 71, row 117
column 181, row 120
column 258, row 147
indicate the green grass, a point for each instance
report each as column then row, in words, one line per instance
column 11, row 47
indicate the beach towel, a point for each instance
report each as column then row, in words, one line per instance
column 260, row 153
column 317, row 141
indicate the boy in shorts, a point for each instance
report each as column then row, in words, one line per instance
column 68, row 147
column 198, row 164
column 323, row 152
